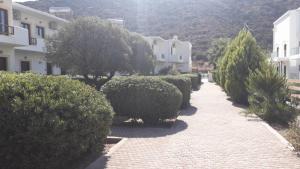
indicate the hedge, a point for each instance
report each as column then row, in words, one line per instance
column 183, row 84
column 146, row 98
column 49, row 122
column 195, row 79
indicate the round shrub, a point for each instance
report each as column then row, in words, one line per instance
column 49, row 122
column 184, row 85
column 147, row 98
column 194, row 79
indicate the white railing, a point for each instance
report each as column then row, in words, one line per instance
column 295, row 51
column 36, row 45
column 17, row 36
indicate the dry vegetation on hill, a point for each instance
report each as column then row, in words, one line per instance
column 198, row 21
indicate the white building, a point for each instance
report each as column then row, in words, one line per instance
column 286, row 44
column 172, row 52
column 62, row 12
column 22, row 34
column 118, row 22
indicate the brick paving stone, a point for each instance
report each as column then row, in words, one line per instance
column 214, row 134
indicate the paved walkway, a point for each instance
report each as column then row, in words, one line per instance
column 212, row 134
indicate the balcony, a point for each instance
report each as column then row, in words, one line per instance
column 13, row 36
column 295, row 51
column 35, row 45
column 6, row 30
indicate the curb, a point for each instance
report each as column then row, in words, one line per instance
column 115, row 147
column 99, row 162
column 283, row 140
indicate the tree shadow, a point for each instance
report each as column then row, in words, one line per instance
column 148, row 132
column 100, row 163
column 191, row 110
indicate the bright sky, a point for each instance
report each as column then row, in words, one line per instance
column 20, row 0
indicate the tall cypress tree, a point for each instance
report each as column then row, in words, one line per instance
column 241, row 58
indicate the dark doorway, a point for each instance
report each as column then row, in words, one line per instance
column 25, row 66
column 49, row 69
column 3, row 64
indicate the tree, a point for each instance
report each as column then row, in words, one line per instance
column 91, row 47
column 269, row 95
column 242, row 56
column 217, row 50
column 141, row 60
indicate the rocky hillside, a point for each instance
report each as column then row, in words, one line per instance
column 198, row 21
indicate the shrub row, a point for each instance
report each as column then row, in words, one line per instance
column 195, row 79
column 48, row 122
column 183, row 84
column 148, row 98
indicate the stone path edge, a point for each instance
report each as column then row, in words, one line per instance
column 109, row 153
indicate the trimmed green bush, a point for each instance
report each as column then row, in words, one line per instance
column 269, row 96
column 184, row 85
column 49, row 122
column 196, row 82
column 148, row 98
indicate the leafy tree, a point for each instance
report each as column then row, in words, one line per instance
column 141, row 60
column 242, row 56
column 269, row 95
column 217, row 50
column 91, row 47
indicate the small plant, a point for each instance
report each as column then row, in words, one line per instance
column 269, row 95
column 146, row 98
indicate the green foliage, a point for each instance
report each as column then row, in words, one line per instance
column 170, row 70
column 48, row 122
column 183, row 84
column 269, row 95
column 141, row 60
column 148, row 98
column 195, row 79
column 294, row 135
column 242, row 56
column 217, row 50
column 97, row 49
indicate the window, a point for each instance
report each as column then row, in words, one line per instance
column 285, row 48
column 3, row 63
column 49, row 69
column 173, row 49
column 3, row 21
column 180, row 57
column 27, row 26
column 25, row 66
column 277, row 52
column 40, row 32
column 162, row 56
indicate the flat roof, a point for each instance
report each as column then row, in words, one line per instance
column 35, row 11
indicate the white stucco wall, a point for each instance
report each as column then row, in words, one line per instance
column 287, row 31
column 163, row 47
column 38, row 63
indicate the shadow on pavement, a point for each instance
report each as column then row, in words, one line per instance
column 148, row 132
column 188, row 111
column 99, row 163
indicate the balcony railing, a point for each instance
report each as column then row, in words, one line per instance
column 295, row 51
column 6, row 30
column 32, row 41
column 274, row 54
